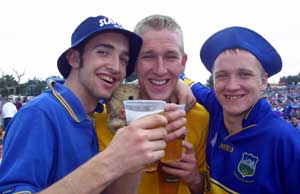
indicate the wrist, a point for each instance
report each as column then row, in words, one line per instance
column 196, row 185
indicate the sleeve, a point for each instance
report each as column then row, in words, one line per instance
column 203, row 94
column 28, row 153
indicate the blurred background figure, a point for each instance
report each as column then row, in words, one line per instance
column 295, row 122
column 8, row 111
column 18, row 103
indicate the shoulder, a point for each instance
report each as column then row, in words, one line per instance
column 197, row 113
column 101, row 117
column 198, row 110
column 282, row 129
column 197, row 118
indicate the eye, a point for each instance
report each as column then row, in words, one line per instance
column 102, row 52
column 124, row 60
column 220, row 76
column 172, row 56
column 245, row 74
column 148, row 56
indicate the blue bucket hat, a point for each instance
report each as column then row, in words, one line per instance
column 242, row 38
column 90, row 27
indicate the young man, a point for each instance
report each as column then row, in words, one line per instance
column 51, row 146
column 249, row 148
column 161, row 60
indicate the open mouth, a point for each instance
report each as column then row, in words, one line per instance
column 158, row 82
column 233, row 97
column 106, row 78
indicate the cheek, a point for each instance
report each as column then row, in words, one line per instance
column 142, row 68
column 123, row 71
column 218, row 86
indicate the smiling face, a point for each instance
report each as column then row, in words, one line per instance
column 159, row 64
column 101, row 67
column 238, row 81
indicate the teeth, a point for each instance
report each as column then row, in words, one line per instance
column 233, row 97
column 107, row 78
column 158, row 82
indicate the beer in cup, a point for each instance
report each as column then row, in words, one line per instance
column 136, row 109
column 173, row 149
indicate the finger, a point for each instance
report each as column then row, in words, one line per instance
column 178, row 134
column 191, row 102
column 157, row 150
column 173, row 170
column 170, row 107
column 176, row 124
column 150, row 121
column 155, row 134
column 188, row 147
column 156, row 155
column 172, row 113
column 157, row 145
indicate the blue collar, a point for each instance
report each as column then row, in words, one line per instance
column 68, row 100
column 256, row 113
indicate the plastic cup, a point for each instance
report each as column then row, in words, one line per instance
column 136, row 109
column 173, row 149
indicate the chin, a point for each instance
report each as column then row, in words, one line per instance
column 104, row 96
column 159, row 96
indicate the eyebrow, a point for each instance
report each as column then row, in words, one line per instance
column 109, row 46
column 151, row 51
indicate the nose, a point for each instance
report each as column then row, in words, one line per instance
column 115, row 64
column 160, row 66
column 233, row 83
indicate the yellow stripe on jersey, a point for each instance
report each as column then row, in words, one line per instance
column 217, row 188
column 63, row 102
column 188, row 81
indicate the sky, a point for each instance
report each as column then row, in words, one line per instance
column 34, row 33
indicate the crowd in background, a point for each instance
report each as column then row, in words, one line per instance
column 285, row 101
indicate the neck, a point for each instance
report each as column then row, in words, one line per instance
column 233, row 123
column 88, row 102
column 146, row 97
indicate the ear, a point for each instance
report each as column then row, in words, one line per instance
column 264, row 81
column 183, row 62
column 73, row 57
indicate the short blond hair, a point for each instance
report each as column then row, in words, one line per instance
column 160, row 22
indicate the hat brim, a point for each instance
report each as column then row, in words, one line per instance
column 135, row 44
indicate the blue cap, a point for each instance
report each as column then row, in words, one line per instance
column 242, row 38
column 90, row 27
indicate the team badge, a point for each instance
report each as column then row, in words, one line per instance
column 247, row 165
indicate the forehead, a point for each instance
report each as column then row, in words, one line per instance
column 160, row 38
column 235, row 59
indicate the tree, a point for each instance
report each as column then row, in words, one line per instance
column 19, row 75
column 289, row 80
column 33, row 87
column 8, row 85
column 210, row 82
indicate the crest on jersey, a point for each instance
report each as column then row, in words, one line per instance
column 247, row 165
